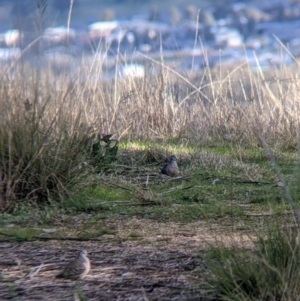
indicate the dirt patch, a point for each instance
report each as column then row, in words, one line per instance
column 190, row 237
column 163, row 261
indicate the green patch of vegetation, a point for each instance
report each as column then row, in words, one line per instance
column 7, row 219
column 21, row 234
column 107, row 194
column 134, row 236
column 95, row 198
column 213, row 186
column 224, row 149
column 81, row 294
column 271, row 272
column 13, row 292
column 94, row 233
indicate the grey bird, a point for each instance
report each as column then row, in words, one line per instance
column 171, row 168
column 77, row 268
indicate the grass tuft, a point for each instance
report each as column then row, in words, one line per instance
column 269, row 272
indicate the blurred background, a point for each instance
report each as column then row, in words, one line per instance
column 190, row 33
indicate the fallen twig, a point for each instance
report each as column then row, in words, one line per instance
column 31, row 275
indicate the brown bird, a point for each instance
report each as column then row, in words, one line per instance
column 77, row 268
column 171, row 168
column 28, row 105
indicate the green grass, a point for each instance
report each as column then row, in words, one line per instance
column 217, row 182
column 270, row 272
column 95, row 233
column 134, row 236
column 95, row 198
column 19, row 234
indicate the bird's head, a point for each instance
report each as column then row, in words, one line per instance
column 173, row 158
column 82, row 253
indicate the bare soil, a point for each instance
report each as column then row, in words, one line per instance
column 144, row 260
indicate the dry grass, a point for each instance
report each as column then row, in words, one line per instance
column 47, row 120
column 232, row 104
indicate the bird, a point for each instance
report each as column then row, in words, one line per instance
column 28, row 105
column 171, row 168
column 106, row 137
column 77, row 268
